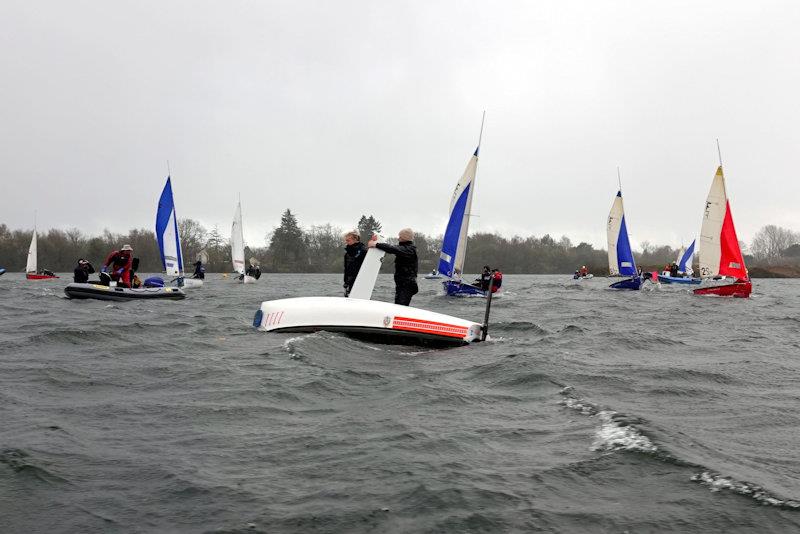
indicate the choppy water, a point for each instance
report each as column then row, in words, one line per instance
column 590, row 411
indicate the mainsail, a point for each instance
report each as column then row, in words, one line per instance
column 454, row 243
column 620, row 256
column 237, row 241
column 720, row 254
column 169, row 241
column 31, row 266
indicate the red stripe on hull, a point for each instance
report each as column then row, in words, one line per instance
column 30, row 276
column 737, row 289
column 429, row 327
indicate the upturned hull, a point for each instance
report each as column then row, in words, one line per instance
column 373, row 320
column 738, row 289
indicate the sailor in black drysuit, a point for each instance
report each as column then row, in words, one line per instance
column 82, row 271
column 254, row 271
column 354, row 253
column 199, row 270
column 405, row 265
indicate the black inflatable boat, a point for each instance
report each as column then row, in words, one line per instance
column 101, row 292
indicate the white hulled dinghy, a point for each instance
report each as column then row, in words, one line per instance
column 237, row 248
column 372, row 320
column 169, row 240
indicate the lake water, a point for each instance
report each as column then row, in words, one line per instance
column 590, row 410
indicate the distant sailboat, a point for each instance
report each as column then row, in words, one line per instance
column 684, row 263
column 237, row 247
column 31, row 268
column 169, row 241
column 454, row 242
column 620, row 256
column 720, row 254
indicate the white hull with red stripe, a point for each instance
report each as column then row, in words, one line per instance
column 382, row 321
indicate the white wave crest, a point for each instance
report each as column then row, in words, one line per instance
column 614, row 436
column 718, row 482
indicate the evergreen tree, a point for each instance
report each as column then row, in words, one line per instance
column 368, row 226
column 288, row 247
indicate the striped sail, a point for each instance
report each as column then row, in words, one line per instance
column 620, row 256
column 719, row 253
column 237, row 241
column 454, row 243
column 169, row 242
column 31, row 266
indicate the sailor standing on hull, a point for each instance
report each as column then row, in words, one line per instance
column 406, row 264
column 354, row 253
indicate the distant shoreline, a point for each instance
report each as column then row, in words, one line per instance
column 782, row 271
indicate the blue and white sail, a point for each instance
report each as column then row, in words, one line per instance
column 169, row 241
column 685, row 261
column 454, row 243
column 620, row 256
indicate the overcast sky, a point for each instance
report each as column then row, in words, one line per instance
column 338, row 108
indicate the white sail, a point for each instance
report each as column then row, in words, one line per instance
column 237, row 241
column 710, row 232
column 614, row 224
column 31, row 266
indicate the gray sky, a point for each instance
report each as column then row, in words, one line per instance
column 338, row 108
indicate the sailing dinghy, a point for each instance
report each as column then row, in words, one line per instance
column 169, row 240
column 720, row 254
column 373, row 320
column 454, row 242
column 31, row 270
column 237, row 247
column 620, row 256
column 684, row 269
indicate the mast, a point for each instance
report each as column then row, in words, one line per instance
column 468, row 214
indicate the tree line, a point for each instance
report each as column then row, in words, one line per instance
column 318, row 249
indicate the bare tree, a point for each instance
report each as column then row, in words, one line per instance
column 770, row 242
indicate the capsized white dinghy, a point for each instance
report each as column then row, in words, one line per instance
column 373, row 320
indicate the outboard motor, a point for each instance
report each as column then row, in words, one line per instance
column 154, row 281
